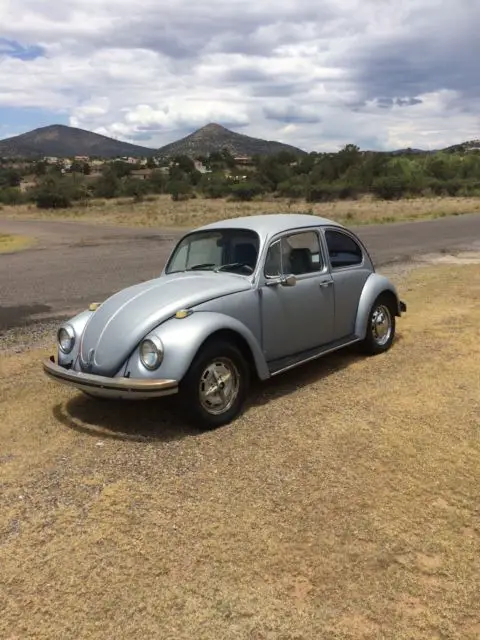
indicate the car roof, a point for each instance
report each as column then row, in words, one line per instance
column 267, row 225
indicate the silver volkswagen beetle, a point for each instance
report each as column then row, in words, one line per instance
column 237, row 299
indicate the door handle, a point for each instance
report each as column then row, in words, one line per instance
column 326, row 283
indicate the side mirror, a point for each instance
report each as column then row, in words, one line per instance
column 289, row 281
column 285, row 281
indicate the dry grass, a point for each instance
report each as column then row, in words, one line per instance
column 343, row 504
column 13, row 243
column 163, row 212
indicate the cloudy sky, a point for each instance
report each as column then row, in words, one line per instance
column 314, row 73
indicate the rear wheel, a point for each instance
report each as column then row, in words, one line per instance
column 215, row 387
column 380, row 326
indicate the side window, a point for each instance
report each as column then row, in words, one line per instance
column 342, row 249
column 301, row 253
column 273, row 261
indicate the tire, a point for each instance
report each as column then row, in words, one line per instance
column 215, row 360
column 380, row 327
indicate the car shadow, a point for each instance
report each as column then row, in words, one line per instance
column 129, row 420
column 161, row 420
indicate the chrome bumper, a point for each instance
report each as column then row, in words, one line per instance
column 110, row 387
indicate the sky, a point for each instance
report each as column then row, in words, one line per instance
column 317, row 74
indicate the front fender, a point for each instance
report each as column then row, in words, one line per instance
column 182, row 338
column 373, row 287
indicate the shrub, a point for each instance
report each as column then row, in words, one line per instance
column 245, row 191
column 179, row 190
column 389, row 187
column 50, row 199
column 12, row 196
column 322, row 193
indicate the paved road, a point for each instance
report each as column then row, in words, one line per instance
column 76, row 263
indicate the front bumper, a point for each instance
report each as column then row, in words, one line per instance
column 110, row 387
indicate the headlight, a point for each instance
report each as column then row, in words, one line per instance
column 66, row 338
column 151, row 353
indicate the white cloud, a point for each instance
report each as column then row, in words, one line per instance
column 380, row 74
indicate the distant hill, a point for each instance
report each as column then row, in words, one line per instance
column 214, row 137
column 470, row 145
column 65, row 142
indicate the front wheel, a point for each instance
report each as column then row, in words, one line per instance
column 380, row 327
column 215, row 387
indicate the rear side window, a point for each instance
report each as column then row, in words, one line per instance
column 342, row 249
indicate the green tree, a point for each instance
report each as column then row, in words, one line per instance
column 245, row 191
column 135, row 188
column 52, row 194
column 120, row 168
column 157, row 181
column 214, row 185
column 40, row 168
column 179, row 189
column 184, row 163
column 107, row 185
column 11, row 196
column 151, row 164
column 10, row 178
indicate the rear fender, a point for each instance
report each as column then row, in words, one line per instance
column 375, row 285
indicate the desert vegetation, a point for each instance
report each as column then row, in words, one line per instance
column 347, row 175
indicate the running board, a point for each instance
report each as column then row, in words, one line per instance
column 284, row 364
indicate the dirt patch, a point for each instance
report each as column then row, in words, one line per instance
column 13, row 243
column 343, row 504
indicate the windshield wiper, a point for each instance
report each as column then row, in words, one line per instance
column 234, row 265
column 201, row 266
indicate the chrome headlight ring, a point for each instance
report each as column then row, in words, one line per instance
column 66, row 339
column 151, row 353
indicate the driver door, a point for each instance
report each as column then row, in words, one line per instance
column 298, row 317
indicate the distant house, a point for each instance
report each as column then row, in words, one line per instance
column 199, row 166
column 243, row 160
column 141, row 174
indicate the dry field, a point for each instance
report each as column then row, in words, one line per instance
column 163, row 212
column 345, row 503
column 14, row 243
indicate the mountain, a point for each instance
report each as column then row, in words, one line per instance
column 65, row 142
column 470, row 145
column 214, row 137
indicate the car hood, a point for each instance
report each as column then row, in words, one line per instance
column 119, row 323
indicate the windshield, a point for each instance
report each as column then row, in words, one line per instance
column 234, row 250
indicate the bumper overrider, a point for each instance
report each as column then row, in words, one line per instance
column 110, row 387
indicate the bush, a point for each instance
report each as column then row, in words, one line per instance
column 135, row 188
column 214, row 186
column 389, row 187
column 57, row 193
column 245, row 191
column 107, row 185
column 50, row 199
column 322, row 193
column 179, row 190
column 156, row 181
column 12, row 196
column 293, row 188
